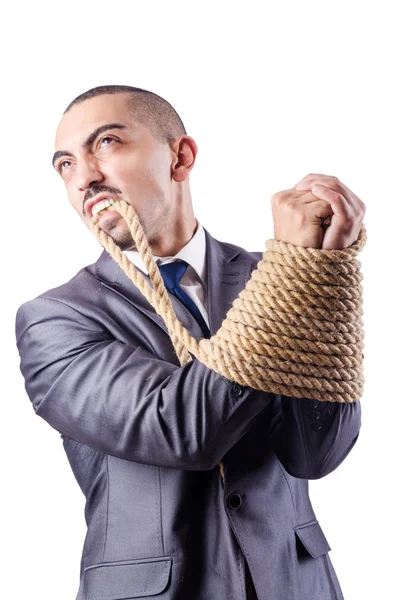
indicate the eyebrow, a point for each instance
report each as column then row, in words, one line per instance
column 89, row 141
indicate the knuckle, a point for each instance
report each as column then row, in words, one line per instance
column 294, row 203
column 275, row 198
column 350, row 220
column 337, row 196
column 279, row 198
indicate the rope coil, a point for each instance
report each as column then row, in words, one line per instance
column 296, row 328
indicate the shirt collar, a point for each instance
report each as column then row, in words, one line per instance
column 193, row 253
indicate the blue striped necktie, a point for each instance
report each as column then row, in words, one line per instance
column 172, row 274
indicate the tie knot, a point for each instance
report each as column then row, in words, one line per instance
column 172, row 273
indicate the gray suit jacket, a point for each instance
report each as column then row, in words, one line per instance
column 144, row 437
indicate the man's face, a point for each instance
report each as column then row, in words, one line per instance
column 101, row 152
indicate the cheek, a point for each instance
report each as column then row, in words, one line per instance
column 146, row 169
column 75, row 203
column 140, row 178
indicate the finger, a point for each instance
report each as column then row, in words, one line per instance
column 312, row 177
column 312, row 201
column 327, row 180
column 339, row 204
column 291, row 196
column 334, row 184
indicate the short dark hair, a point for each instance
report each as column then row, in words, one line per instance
column 147, row 108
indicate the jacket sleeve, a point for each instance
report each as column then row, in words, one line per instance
column 312, row 437
column 122, row 400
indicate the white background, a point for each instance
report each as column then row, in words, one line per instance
column 270, row 91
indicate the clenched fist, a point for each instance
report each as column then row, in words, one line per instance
column 318, row 212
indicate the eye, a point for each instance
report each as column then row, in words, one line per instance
column 106, row 141
column 63, row 165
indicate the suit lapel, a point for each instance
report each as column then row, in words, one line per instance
column 225, row 278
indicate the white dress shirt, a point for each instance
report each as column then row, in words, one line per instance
column 193, row 281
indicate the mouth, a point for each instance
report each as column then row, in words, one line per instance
column 99, row 206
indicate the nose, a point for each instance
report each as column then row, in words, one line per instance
column 87, row 173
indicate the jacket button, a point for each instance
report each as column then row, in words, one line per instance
column 234, row 501
column 316, row 426
column 312, row 403
column 315, row 415
column 237, row 390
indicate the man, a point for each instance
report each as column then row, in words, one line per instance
column 144, row 435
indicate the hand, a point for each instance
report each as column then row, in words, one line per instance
column 328, row 216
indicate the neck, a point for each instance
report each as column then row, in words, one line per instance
column 177, row 239
column 178, row 229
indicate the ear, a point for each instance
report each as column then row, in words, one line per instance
column 184, row 151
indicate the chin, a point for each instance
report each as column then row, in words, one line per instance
column 126, row 245
column 119, row 233
column 124, row 242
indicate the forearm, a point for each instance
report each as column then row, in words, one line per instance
column 122, row 400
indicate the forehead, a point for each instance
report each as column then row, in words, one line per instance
column 83, row 118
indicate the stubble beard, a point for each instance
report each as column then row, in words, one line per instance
column 116, row 227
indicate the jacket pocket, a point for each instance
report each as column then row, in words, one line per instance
column 312, row 538
column 125, row 579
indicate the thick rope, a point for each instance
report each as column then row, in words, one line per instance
column 296, row 328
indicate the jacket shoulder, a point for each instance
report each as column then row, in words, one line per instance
column 238, row 252
column 83, row 282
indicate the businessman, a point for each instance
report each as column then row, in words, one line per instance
column 144, row 435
